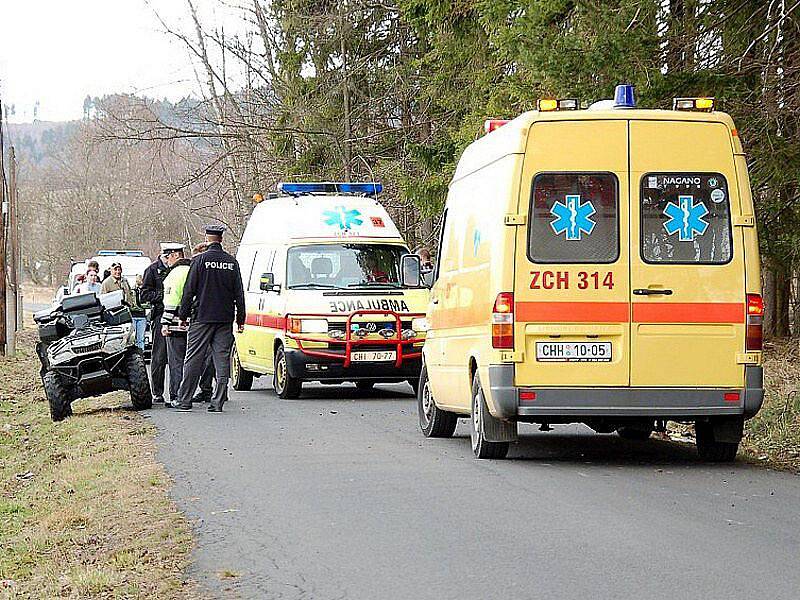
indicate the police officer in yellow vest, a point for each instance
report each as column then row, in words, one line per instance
column 174, row 334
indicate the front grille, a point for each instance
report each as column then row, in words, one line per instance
column 87, row 349
column 340, row 326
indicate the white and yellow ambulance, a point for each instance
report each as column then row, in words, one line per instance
column 598, row 266
column 326, row 296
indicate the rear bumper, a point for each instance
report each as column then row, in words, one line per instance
column 316, row 368
column 673, row 403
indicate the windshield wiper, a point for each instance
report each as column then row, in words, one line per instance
column 326, row 286
column 374, row 284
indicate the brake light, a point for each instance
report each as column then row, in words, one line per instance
column 503, row 321
column 491, row 124
column 755, row 322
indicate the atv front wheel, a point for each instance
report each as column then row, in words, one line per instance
column 58, row 396
column 139, row 385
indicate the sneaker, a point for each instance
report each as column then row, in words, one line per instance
column 158, row 400
column 212, row 408
column 183, row 407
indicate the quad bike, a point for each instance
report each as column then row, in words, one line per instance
column 87, row 347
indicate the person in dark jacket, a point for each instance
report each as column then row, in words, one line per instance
column 152, row 292
column 207, row 378
column 214, row 298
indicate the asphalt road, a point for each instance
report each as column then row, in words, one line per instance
column 338, row 495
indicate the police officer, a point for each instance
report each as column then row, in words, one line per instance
column 213, row 297
column 152, row 292
column 174, row 334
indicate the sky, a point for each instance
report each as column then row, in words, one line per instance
column 56, row 52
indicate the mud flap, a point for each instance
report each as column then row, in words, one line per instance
column 497, row 430
column 728, row 430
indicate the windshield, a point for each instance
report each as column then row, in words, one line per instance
column 342, row 266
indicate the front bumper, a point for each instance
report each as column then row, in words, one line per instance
column 667, row 403
column 320, row 368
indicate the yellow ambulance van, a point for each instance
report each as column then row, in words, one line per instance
column 330, row 291
column 597, row 266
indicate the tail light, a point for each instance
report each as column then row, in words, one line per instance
column 503, row 321
column 755, row 322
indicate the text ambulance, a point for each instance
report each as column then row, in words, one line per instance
column 322, row 265
column 598, row 266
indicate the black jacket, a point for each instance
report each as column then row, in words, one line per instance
column 213, row 288
column 152, row 290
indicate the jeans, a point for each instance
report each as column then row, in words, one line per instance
column 139, row 324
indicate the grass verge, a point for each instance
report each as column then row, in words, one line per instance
column 84, row 510
column 773, row 435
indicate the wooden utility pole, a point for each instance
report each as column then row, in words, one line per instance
column 12, row 299
column 2, row 239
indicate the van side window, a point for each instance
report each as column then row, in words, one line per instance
column 685, row 218
column 261, row 264
column 574, row 218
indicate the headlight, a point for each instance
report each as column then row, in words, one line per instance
column 420, row 324
column 295, row 325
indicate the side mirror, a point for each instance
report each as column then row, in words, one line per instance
column 267, row 283
column 410, row 271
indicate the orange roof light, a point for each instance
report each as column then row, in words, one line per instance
column 698, row 104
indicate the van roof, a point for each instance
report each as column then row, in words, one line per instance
column 319, row 217
column 512, row 137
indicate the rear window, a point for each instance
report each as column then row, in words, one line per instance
column 574, row 218
column 685, row 218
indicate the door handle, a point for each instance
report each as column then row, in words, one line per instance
column 651, row 292
column 435, row 301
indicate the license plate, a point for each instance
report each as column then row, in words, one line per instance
column 374, row 356
column 573, row 351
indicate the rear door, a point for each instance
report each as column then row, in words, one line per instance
column 572, row 294
column 687, row 273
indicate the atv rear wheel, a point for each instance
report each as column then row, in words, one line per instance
column 58, row 396
column 141, row 396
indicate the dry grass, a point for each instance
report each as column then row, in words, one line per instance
column 84, row 511
column 773, row 435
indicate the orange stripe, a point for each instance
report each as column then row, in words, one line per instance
column 688, row 312
column 271, row 321
column 618, row 312
column 572, row 312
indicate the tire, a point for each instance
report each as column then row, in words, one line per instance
column 286, row 386
column 414, row 383
column 634, row 433
column 433, row 421
column 241, row 379
column 365, row 386
column 481, row 447
column 58, row 396
column 139, row 384
column 711, row 450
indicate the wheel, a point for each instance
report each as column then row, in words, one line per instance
column 138, row 383
column 365, row 386
column 481, row 447
column 286, row 386
column 414, row 383
column 241, row 380
column 58, row 396
column 433, row 421
column 635, row 433
column 709, row 449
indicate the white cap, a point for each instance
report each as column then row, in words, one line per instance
column 171, row 247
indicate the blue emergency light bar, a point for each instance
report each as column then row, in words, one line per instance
column 120, row 253
column 329, row 187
